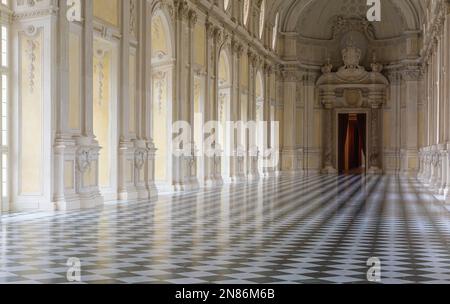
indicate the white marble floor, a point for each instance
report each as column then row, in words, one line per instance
column 289, row 229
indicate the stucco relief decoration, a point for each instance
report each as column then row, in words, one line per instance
column 99, row 69
column 84, row 159
column 140, row 156
column 29, row 3
column 133, row 18
column 353, row 97
column 222, row 98
column 160, row 84
column 345, row 25
column 32, row 45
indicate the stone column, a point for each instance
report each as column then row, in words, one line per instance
column 144, row 103
column 447, row 188
column 64, row 145
column 443, row 170
column 127, row 189
column 90, row 196
column 391, row 153
column 313, row 111
column 328, row 99
column 212, row 160
column 375, row 101
column 237, row 49
column 266, row 159
column 289, row 152
column 446, row 35
column 181, row 108
column 252, row 148
column 191, row 160
column 411, row 77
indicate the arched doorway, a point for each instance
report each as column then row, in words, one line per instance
column 162, row 74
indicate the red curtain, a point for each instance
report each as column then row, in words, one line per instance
column 352, row 139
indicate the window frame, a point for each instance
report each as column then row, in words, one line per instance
column 246, row 11
column 262, row 18
column 275, row 31
column 5, row 73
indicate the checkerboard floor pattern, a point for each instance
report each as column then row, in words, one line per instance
column 288, row 229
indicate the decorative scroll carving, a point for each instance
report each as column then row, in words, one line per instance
column 133, row 17
column 344, row 25
column 99, row 69
column 31, row 48
column 160, row 85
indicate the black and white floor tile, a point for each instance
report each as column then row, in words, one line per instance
column 289, row 229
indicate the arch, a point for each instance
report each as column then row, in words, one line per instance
column 224, row 112
column 412, row 12
column 160, row 20
column 162, row 54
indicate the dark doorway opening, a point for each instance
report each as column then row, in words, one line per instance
column 352, row 143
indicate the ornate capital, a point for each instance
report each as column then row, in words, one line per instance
column 192, row 18
column 182, row 9
column 411, row 74
column 289, row 75
column 395, row 77
column 237, row 47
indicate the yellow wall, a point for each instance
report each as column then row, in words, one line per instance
column 258, row 87
column 89, row 176
column 224, row 75
column 199, row 44
column 68, row 175
column 107, row 10
column 31, row 108
column 159, row 39
column 244, row 70
column 160, row 114
column 102, row 123
column 74, row 81
column 272, row 87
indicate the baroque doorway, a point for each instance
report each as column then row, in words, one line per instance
column 352, row 143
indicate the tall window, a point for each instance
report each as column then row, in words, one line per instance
column 226, row 4
column 275, row 31
column 262, row 17
column 4, row 97
column 246, row 11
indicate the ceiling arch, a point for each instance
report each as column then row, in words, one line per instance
column 301, row 15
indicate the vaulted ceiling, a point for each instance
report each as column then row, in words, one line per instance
column 314, row 18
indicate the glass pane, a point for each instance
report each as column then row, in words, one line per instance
column 4, row 35
column 5, row 175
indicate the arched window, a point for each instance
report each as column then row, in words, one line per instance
column 275, row 31
column 262, row 17
column 226, row 4
column 246, row 11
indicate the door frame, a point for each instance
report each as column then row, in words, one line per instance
column 368, row 132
